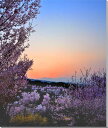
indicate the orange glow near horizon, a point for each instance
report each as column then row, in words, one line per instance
column 64, row 65
column 68, row 38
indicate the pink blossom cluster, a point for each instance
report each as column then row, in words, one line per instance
column 83, row 106
column 30, row 97
column 46, row 99
column 16, row 18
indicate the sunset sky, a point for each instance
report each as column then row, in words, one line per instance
column 70, row 35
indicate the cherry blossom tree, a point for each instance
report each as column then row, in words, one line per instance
column 16, row 18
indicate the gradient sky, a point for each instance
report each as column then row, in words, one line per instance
column 70, row 34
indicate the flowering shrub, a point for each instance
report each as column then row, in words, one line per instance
column 63, row 107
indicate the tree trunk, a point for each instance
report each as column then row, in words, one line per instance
column 4, row 117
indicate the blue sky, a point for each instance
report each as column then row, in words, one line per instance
column 70, row 34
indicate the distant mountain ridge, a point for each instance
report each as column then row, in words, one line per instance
column 52, row 83
column 60, row 79
column 46, row 82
